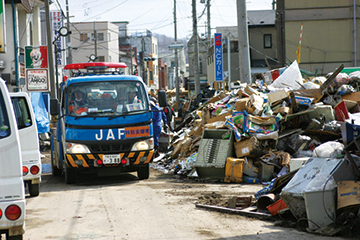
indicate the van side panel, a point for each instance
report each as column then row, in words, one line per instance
column 11, row 182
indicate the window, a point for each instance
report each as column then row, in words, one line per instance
column 22, row 113
column 100, row 37
column 101, row 58
column 106, row 98
column 200, row 66
column 267, row 41
column 83, row 37
column 4, row 120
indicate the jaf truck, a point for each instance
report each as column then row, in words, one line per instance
column 104, row 123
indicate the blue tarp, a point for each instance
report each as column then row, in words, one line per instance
column 41, row 114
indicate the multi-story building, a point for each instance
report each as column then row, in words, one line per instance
column 105, row 46
column 329, row 38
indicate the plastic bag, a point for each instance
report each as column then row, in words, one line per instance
column 329, row 149
column 290, row 78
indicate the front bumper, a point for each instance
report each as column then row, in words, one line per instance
column 86, row 161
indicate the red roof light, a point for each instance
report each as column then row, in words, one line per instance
column 95, row 64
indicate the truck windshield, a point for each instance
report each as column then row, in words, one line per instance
column 106, row 98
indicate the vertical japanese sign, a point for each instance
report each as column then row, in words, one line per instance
column 56, row 23
column 2, row 26
column 218, row 57
column 36, row 68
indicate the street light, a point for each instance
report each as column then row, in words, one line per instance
column 62, row 32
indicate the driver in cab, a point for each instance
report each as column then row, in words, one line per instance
column 78, row 105
column 132, row 95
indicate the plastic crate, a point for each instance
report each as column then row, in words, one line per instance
column 213, row 152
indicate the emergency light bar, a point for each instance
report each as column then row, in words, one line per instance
column 97, row 65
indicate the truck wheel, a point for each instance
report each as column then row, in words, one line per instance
column 34, row 189
column 70, row 175
column 143, row 172
column 55, row 170
column 17, row 237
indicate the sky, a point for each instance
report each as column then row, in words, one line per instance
column 157, row 15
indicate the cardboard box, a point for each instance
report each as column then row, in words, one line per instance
column 216, row 98
column 306, row 101
column 352, row 97
column 255, row 105
column 240, row 104
column 250, row 91
column 348, row 194
column 247, row 148
column 277, row 96
column 221, row 117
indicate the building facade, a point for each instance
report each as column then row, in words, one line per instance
column 105, row 46
column 329, row 38
column 18, row 31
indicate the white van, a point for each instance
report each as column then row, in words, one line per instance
column 12, row 194
column 29, row 141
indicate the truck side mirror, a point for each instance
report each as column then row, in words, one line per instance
column 162, row 98
column 54, row 106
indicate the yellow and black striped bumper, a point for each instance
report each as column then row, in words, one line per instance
column 89, row 159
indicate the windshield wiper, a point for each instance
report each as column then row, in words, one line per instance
column 125, row 114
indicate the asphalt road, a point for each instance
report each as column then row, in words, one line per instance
column 162, row 207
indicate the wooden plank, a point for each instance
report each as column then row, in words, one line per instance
column 242, row 212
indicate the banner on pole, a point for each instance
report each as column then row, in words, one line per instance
column 218, row 57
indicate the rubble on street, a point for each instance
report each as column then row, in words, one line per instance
column 298, row 137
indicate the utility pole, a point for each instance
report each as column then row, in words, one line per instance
column 177, row 82
column 208, row 21
column 95, row 40
column 196, row 49
column 244, row 55
column 69, row 58
column 229, row 63
column 53, row 92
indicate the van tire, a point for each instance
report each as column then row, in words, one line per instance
column 70, row 175
column 17, row 237
column 34, row 189
column 143, row 172
column 54, row 170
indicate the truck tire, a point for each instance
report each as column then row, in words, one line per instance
column 143, row 172
column 34, row 189
column 56, row 172
column 17, row 237
column 70, row 175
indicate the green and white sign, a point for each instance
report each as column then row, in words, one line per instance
column 36, row 57
column 2, row 26
column 36, row 68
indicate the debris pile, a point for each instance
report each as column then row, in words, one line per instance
column 298, row 137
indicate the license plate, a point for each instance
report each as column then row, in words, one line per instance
column 111, row 159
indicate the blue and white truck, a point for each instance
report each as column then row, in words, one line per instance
column 104, row 123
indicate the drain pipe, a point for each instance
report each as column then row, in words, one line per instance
column 355, row 38
column 15, row 46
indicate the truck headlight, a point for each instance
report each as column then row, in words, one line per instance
column 76, row 148
column 147, row 144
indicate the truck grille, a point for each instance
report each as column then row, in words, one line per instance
column 110, row 148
